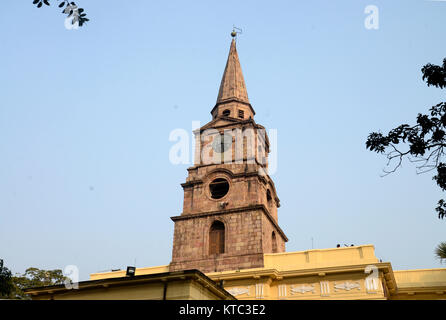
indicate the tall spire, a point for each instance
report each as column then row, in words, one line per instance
column 232, row 85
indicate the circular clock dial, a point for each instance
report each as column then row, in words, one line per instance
column 222, row 143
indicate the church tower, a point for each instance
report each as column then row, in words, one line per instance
column 229, row 217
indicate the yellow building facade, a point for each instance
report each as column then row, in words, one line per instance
column 348, row 273
column 322, row 274
column 182, row 285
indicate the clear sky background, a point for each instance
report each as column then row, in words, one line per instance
column 85, row 117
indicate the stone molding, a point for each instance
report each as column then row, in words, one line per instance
column 234, row 210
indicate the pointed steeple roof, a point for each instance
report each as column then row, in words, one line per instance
column 232, row 85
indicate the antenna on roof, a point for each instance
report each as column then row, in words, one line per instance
column 108, row 270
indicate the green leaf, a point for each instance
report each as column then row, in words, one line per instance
column 46, row 2
column 61, row 4
column 39, row 5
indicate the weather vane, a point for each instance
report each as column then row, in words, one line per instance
column 235, row 31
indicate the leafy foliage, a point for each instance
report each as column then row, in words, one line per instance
column 435, row 75
column 6, row 285
column 13, row 287
column 440, row 251
column 72, row 11
column 34, row 277
column 422, row 143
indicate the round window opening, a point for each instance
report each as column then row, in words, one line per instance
column 219, row 188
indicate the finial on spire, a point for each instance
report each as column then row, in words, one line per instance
column 233, row 96
column 232, row 85
column 235, row 31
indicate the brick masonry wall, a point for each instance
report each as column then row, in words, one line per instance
column 268, row 229
column 243, row 191
column 243, row 242
column 248, row 230
column 245, row 188
column 247, row 237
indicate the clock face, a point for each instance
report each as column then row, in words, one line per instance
column 222, row 143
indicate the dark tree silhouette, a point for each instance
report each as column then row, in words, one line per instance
column 423, row 143
column 440, row 251
column 6, row 285
column 71, row 10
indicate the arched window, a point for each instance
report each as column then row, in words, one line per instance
column 217, row 238
column 274, row 242
column 268, row 197
column 226, row 112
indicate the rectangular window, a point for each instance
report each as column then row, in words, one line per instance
column 241, row 114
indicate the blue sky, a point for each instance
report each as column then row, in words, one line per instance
column 85, row 117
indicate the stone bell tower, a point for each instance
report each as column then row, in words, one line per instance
column 229, row 217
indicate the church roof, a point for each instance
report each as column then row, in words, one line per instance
column 232, row 85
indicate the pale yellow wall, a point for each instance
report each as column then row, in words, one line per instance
column 421, row 284
column 335, row 273
column 318, row 269
column 138, row 292
column 322, row 287
column 310, row 259
column 357, row 278
column 320, row 258
column 420, row 278
column 121, row 273
column 197, row 292
column 176, row 290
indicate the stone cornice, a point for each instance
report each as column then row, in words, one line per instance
column 233, row 100
column 191, row 183
column 233, row 210
column 210, row 125
column 215, row 164
column 277, row 274
column 421, row 290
